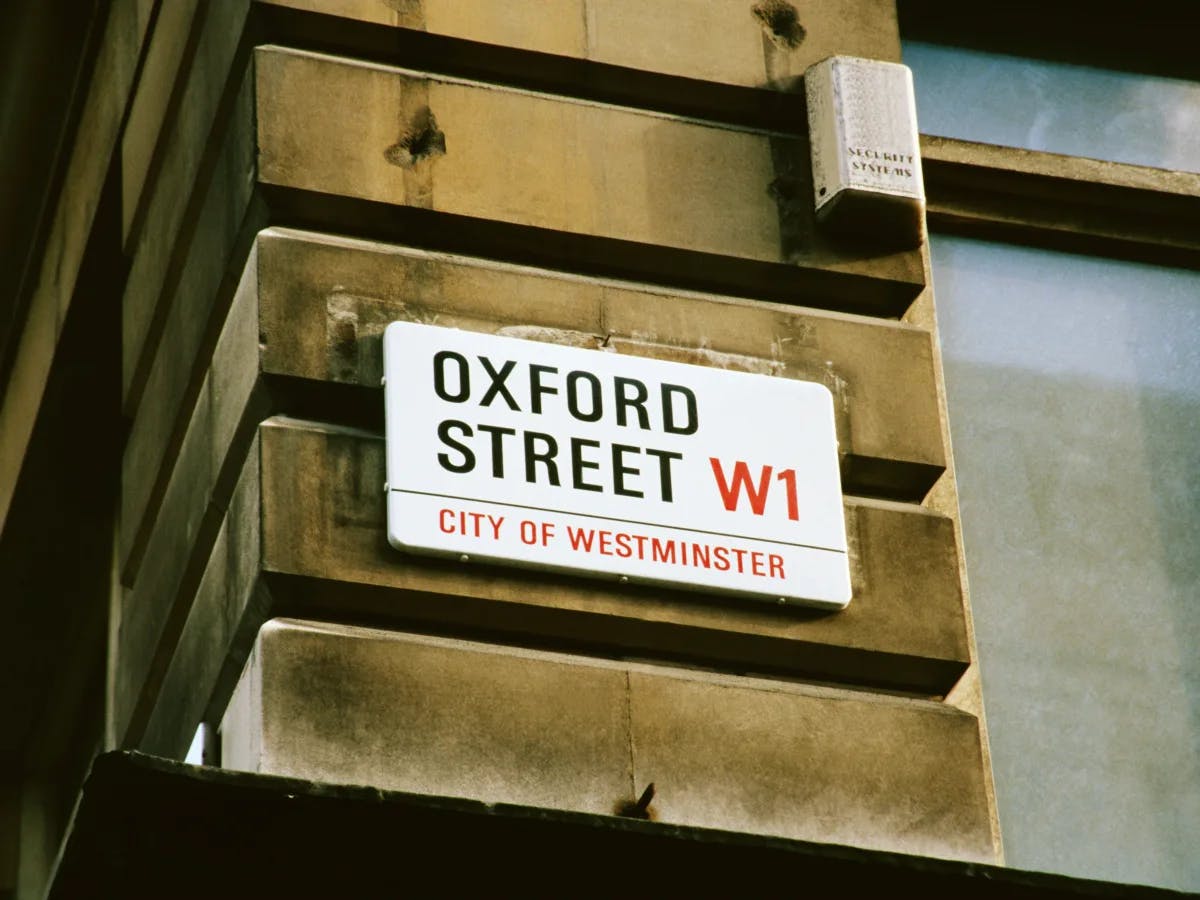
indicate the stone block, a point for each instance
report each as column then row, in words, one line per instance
column 814, row 765
column 755, row 44
column 430, row 715
column 325, row 302
column 147, row 604
column 153, row 245
column 208, row 643
column 341, row 704
column 624, row 190
column 197, row 303
column 200, row 482
column 324, row 520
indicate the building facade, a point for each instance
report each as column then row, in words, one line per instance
column 227, row 203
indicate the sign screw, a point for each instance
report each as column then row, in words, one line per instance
column 464, row 558
column 624, row 579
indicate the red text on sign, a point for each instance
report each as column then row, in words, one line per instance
column 675, row 552
column 731, row 493
column 471, row 524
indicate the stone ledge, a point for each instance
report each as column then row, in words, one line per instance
column 326, row 300
column 324, row 538
column 345, row 143
column 501, row 724
column 291, row 837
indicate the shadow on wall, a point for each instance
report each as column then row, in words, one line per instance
column 746, row 194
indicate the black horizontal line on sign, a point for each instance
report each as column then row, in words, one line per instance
column 568, row 512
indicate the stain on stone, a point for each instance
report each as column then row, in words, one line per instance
column 785, row 189
column 561, row 336
column 781, row 22
column 345, row 343
column 791, row 190
column 698, row 356
column 789, row 194
column 357, row 468
column 341, row 337
column 403, row 7
column 420, row 140
column 408, row 13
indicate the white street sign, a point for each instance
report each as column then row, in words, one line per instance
column 549, row 457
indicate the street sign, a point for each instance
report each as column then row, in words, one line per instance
column 639, row 470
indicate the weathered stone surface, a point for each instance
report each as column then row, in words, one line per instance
column 634, row 179
column 188, row 507
column 196, row 301
column 820, row 766
column 434, row 715
column 325, row 302
column 758, row 44
column 166, row 203
column 156, row 82
column 218, row 612
column 324, row 518
column 431, row 715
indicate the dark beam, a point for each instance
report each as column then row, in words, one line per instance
column 148, row 827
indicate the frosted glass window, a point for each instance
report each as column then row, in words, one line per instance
column 1073, row 390
column 1147, row 120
